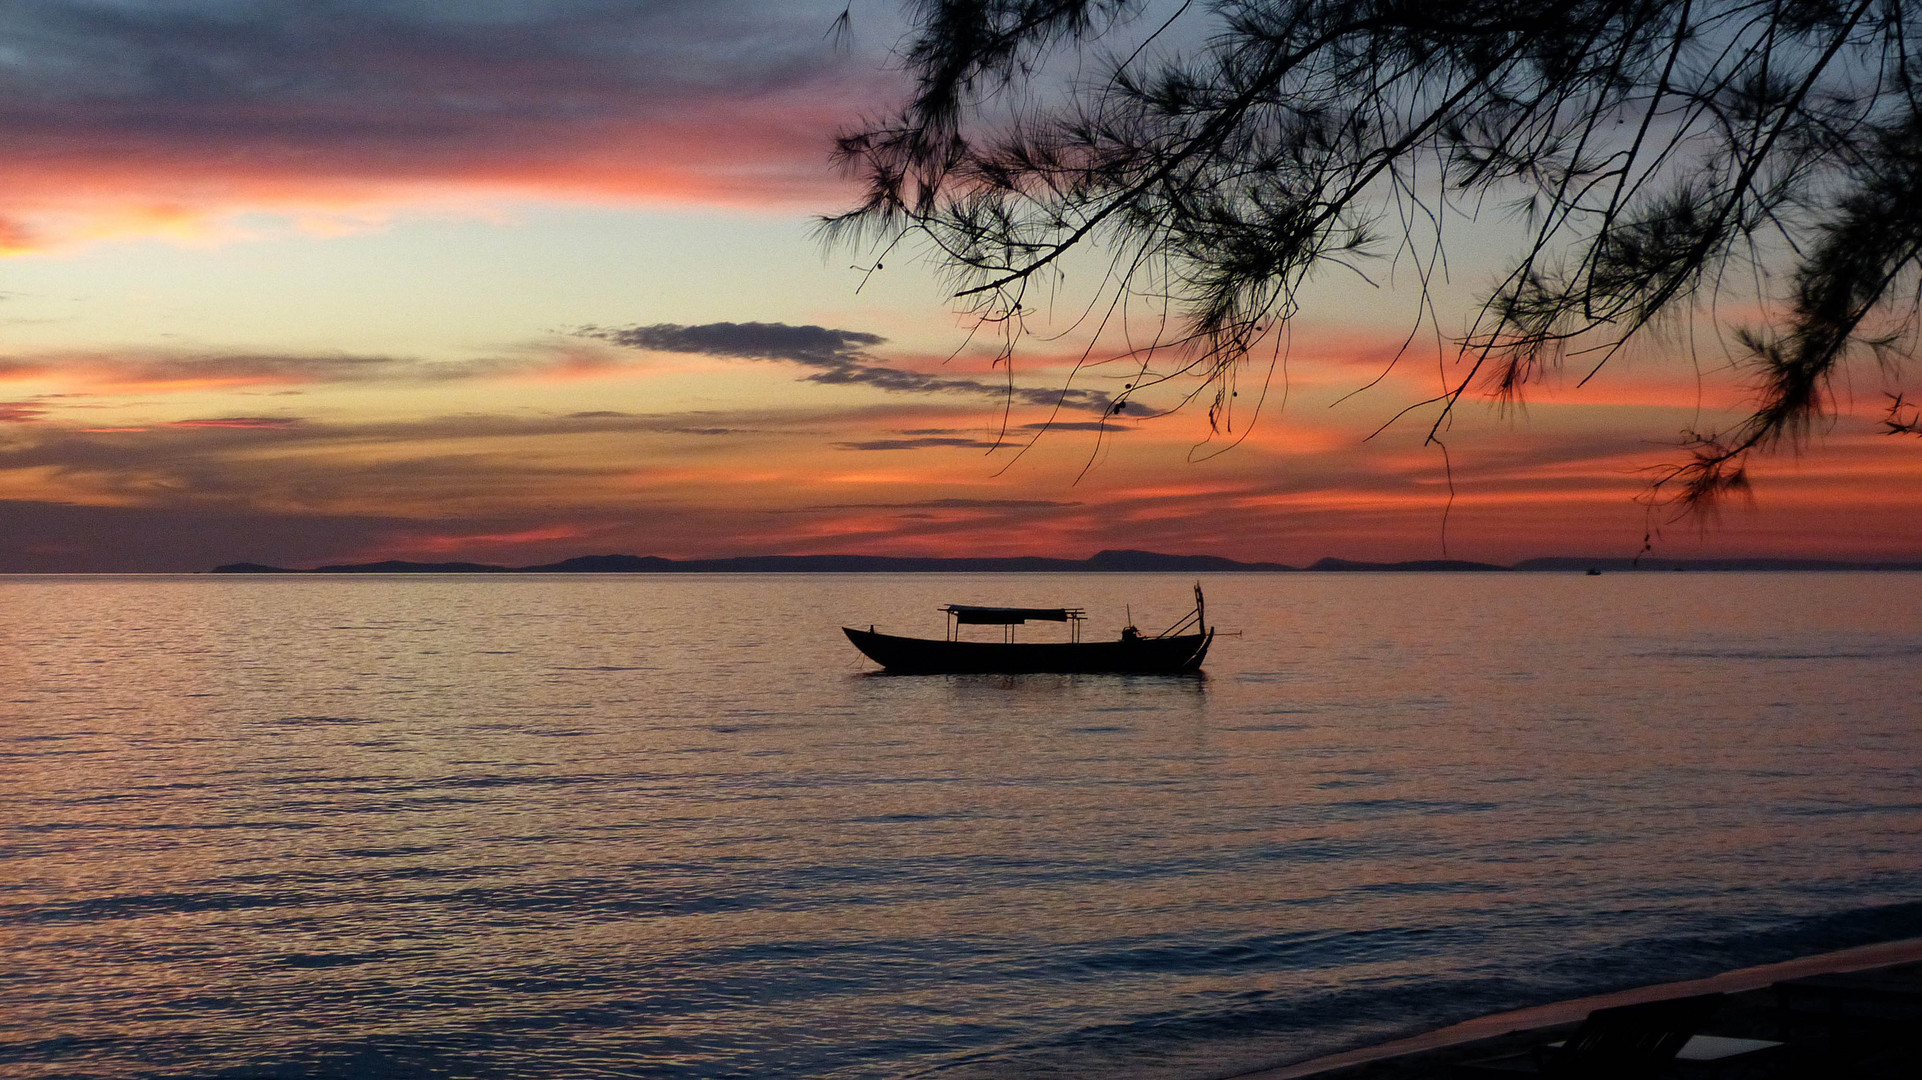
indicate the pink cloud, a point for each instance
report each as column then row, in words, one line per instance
column 165, row 119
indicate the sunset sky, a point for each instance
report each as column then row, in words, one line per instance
column 308, row 281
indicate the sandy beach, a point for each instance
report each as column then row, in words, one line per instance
column 1750, row 1012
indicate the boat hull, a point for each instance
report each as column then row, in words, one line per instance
column 922, row 656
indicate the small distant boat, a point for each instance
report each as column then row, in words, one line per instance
column 1176, row 650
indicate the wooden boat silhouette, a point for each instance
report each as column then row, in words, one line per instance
column 1176, row 650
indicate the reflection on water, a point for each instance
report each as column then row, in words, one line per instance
column 670, row 826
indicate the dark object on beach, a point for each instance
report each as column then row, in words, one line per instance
column 1860, row 1022
column 1625, row 1041
column 1176, row 650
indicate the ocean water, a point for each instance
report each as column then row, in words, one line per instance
column 674, row 826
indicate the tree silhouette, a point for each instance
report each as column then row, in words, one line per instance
column 1661, row 153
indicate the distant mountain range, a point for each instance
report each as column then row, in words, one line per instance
column 1103, row 562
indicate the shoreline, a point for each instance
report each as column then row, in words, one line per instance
column 1859, row 958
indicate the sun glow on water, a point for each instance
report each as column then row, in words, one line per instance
column 673, row 824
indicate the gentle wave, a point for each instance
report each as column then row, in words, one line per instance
column 675, row 828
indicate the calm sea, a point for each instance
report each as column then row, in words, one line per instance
column 673, row 826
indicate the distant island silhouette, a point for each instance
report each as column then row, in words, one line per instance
column 1123, row 561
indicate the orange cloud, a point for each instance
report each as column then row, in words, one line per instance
column 164, row 371
column 528, row 489
column 457, row 543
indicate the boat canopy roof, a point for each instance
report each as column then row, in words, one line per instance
column 969, row 614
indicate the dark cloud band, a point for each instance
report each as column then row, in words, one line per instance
column 837, row 357
column 816, row 345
